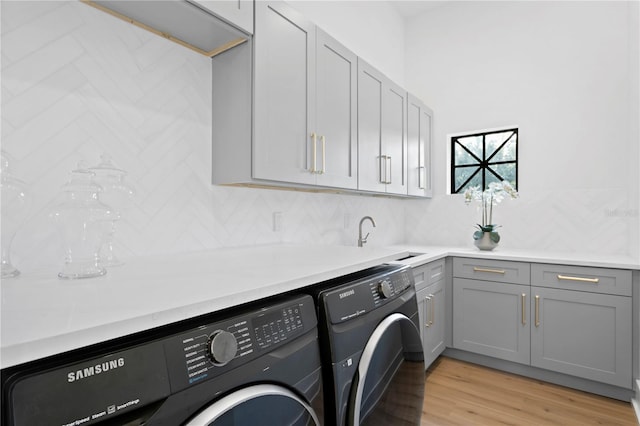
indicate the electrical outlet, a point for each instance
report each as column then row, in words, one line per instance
column 277, row 221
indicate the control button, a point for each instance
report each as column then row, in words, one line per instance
column 222, row 347
column 384, row 289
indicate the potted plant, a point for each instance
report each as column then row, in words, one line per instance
column 486, row 238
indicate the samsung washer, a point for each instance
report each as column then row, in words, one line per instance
column 257, row 367
column 372, row 352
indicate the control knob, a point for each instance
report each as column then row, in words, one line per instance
column 384, row 289
column 222, row 347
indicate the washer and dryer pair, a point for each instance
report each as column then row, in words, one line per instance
column 346, row 353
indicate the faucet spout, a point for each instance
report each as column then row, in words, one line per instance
column 362, row 241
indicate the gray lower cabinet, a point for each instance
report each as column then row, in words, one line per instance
column 573, row 320
column 432, row 308
column 431, row 311
column 491, row 318
column 582, row 334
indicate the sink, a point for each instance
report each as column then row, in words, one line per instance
column 410, row 255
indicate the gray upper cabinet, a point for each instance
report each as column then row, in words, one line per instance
column 305, row 102
column 284, row 73
column 236, row 12
column 294, row 107
column 381, row 132
column 336, row 113
column 419, row 132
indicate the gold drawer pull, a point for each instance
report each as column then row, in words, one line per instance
column 493, row 271
column 583, row 280
column 524, row 309
column 537, row 311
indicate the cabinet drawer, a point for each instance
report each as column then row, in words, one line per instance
column 428, row 274
column 492, row 270
column 582, row 278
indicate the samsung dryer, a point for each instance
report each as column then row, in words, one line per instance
column 372, row 352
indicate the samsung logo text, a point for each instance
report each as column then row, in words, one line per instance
column 103, row 367
column 347, row 293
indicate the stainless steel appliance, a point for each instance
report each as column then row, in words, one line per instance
column 372, row 353
column 257, row 367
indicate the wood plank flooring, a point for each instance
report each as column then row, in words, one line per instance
column 459, row 393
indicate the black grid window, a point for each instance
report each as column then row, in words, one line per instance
column 481, row 158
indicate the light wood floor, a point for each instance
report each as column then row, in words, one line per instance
column 459, row 393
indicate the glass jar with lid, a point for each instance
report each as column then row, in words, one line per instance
column 15, row 204
column 80, row 218
column 117, row 194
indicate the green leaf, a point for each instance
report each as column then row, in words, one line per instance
column 495, row 237
column 477, row 235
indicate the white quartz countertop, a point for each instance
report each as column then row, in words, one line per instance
column 424, row 254
column 43, row 315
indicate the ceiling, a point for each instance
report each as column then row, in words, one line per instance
column 409, row 8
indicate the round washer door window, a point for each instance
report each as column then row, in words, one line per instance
column 257, row 405
column 389, row 385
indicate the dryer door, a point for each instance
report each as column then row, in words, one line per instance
column 389, row 385
column 257, row 405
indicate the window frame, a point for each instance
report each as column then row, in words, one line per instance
column 483, row 164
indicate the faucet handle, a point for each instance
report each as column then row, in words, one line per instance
column 364, row 239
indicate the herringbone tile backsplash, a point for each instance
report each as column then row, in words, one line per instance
column 77, row 83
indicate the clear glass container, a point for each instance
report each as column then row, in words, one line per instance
column 15, row 203
column 81, row 219
column 117, row 194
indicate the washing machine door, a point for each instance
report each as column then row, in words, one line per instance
column 258, row 405
column 389, row 385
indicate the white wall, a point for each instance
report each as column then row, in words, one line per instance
column 372, row 29
column 563, row 72
column 77, row 82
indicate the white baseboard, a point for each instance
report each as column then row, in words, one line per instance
column 636, row 401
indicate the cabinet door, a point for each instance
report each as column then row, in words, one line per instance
column 582, row 334
column 492, row 319
column 336, row 113
column 236, row 12
column 418, row 148
column 435, row 322
column 284, row 78
column 394, row 141
column 370, row 162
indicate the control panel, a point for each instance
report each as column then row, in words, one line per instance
column 351, row 300
column 390, row 286
column 213, row 349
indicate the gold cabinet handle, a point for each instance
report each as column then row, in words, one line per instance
column 421, row 170
column 323, row 141
column 428, row 324
column 432, row 298
column 581, row 279
column 383, row 175
column 524, row 308
column 389, row 177
column 314, row 146
column 537, row 311
column 493, row 271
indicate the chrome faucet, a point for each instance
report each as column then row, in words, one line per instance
column 362, row 241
